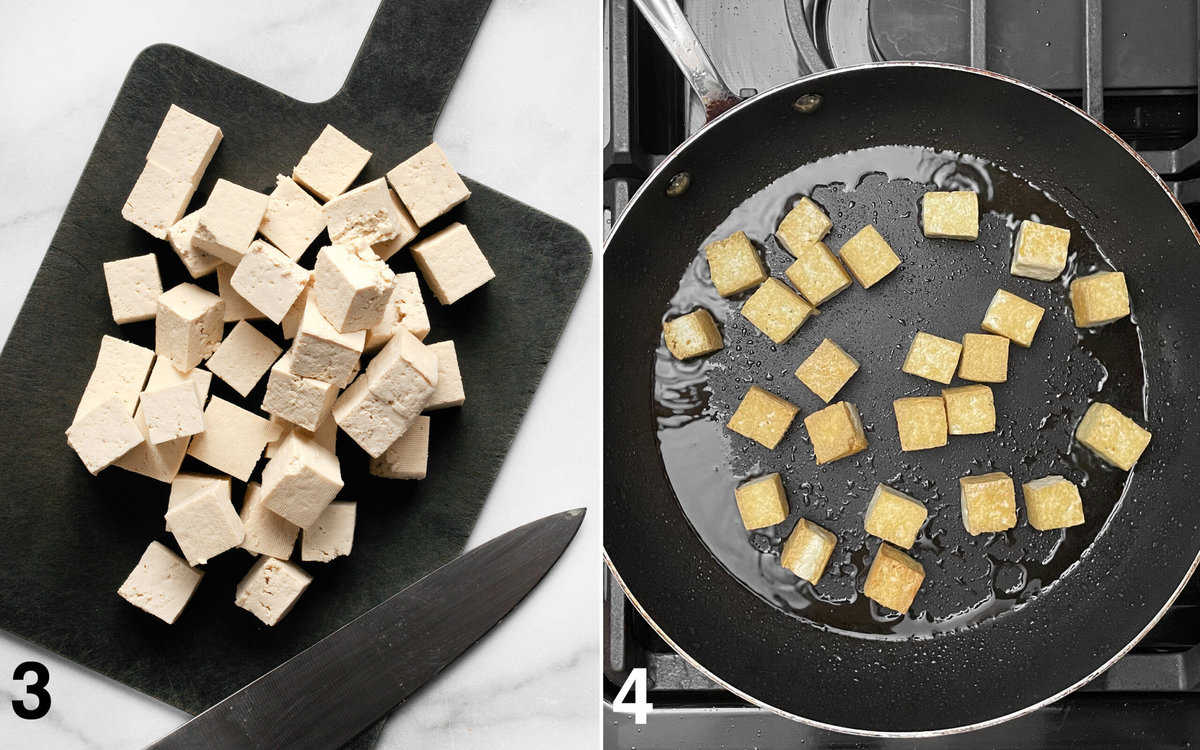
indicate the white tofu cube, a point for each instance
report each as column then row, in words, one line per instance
column 330, row 164
column 408, row 457
column 405, row 308
column 229, row 221
column 331, row 535
column 351, row 286
column 188, row 325
column 236, row 306
column 449, row 390
column 427, row 184
column 186, row 485
column 301, row 480
column 301, row 401
column 172, row 412
column 233, row 438
column 243, row 358
column 133, row 288
column 197, row 262
column 1040, row 251
column 158, row 200
column 164, row 374
column 371, row 215
column 321, row 352
column 325, row 434
column 161, row 462
column 161, row 583
column 184, row 144
column 452, row 264
column 266, row 532
column 269, row 280
column 120, row 371
column 291, row 322
column 271, row 588
column 293, row 218
column 205, row 525
column 103, row 435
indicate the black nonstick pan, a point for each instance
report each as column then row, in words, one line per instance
column 1004, row 622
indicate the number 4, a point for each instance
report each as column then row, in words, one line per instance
column 639, row 707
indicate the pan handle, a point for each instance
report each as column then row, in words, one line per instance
column 671, row 25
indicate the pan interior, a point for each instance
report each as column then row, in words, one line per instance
column 942, row 287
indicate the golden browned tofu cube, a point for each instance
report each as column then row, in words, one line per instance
column 970, row 410
column 817, row 273
column 804, row 224
column 806, row 552
column 776, row 310
column 1052, row 503
column 894, row 579
column 921, row 421
column 984, row 358
column 836, row 432
column 953, row 215
column 1112, row 436
column 692, row 335
column 988, row 502
column 868, row 256
column 763, row 417
column 734, row 264
column 1099, row 299
column 1040, row 251
column 932, row 357
column 894, row 516
column 762, row 502
column 1012, row 317
column 826, row 370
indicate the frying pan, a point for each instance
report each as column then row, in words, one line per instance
column 1115, row 576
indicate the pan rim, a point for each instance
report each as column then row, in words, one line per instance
column 804, row 81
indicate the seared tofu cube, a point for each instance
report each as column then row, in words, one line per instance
column 762, row 502
column 1112, row 436
column 970, row 410
column 1040, row 251
column 1052, row 503
column 988, row 502
column 763, row 417
column 894, row 516
column 817, row 273
column 984, row 358
column 805, row 224
column 807, row 550
column 1012, row 317
column 932, row 357
column 894, row 579
column 921, row 421
column 776, row 310
column 734, row 265
column 836, row 432
column 952, row 215
column 827, row 370
column 868, row 256
column 1099, row 299
column 692, row 335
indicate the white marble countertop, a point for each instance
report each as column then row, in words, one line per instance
column 531, row 683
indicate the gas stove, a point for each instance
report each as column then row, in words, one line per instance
column 1133, row 65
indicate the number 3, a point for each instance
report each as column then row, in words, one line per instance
column 639, row 707
column 35, row 689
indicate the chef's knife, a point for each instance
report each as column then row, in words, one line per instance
column 327, row 694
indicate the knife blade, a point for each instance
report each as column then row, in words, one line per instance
column 328, row 693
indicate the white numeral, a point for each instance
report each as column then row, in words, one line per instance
column 639, row 707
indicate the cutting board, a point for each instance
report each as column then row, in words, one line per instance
column 68, row 539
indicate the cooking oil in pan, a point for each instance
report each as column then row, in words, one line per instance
column 942, row 287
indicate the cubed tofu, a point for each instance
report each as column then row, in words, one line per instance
column 762, row 502
column 1112, row 436
column 807, row 550
column 161, row 462
column 408, row 457
column 734, row 264
column 237, row 307
column 370, row 214
column 321, row 352
column 988, row 503
column 894, row 516
column 932, row 357
column 894, row 579
column 271, row 589
column 266, row 532
column 233, row 438
column 817, row 273
column 1012, row 317
column 970, row 410
column 1040, row 251
column 405, row 309
column 161, row 583
column 351, row 286
column 301, row 480
column 197, row 262
column 452, row 263
column 299, row 400
column 158, row 200
column 172, row 412
column 133, row 288
column 229, row 221
column 805, row 224
column 330, row 164
column 331, row 535
column 836, row 432
column 449, row 391
column 186, row 485
column 188, row 325
column 103, row 434
column 205, row 525
column 776, row 310
column 290, row 325
column 1052, row 503
column 953, row 215
column 164, row 374
column 827, row 370
column 868, row 256
column 427, row 184
column 326, row 434
column 293, row 218
column 120, row 371
column 692, row 335
column 984, row 358
column 921, row 421
column 243, row 358
column 184, row 144
column 1099, row 299
column 763, row 417
column 269, row 280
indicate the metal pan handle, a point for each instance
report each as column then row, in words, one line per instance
column 671, row 25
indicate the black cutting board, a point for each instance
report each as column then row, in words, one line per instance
column 67, row 539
